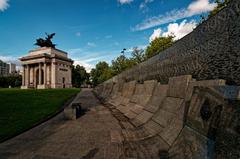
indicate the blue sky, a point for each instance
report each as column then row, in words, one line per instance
column 94, row 30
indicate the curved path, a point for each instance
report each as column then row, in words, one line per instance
column 97, row 134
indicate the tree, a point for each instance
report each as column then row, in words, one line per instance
column 158, row 45
column 119, row 64
column 101, row 73
column 12, row 80
column 138, row 55
column 79, row 76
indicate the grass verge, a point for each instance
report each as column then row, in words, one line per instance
column 21, row 109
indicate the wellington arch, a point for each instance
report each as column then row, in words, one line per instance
column 46, row 67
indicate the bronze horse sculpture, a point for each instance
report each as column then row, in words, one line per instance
column 46, row 42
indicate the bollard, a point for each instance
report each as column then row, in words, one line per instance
column 74, row 111
column 77, row 108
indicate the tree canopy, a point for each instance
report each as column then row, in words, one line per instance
column 101, row 73
column 79, row 76
column 158, row 45
column 220, row 5
column 12, row 80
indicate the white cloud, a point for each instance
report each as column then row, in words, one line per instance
column 156, row 34
column 78, row 34
column 3, row 5
column 87, row 66
column 200, row 6
column 125, row 1
column 195, row 8
column 178, row 30
column 143, row 5
column 86, row 61
column 91, row 44
column 87, row 58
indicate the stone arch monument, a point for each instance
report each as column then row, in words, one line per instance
column 46, row 67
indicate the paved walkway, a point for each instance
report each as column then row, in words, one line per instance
column 97, row 134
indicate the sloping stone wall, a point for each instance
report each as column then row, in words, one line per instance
column 184, row 101
column 211, row 51
column 186, row 118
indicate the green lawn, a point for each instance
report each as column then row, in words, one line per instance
column 21, row 109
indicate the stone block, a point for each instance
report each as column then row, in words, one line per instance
column 117, row 101
column 178, row 86
column 206, row 111
column 125, row 89
column 157, row 98
column 149, row 87
column 204, row 83
column 139, row 91
column 191, row 145
column 152, row 127
column 136, row 108
column 115, row 89
column 130, row 89
column 163, row 117
column 125, row 101
column 123, row 109
column 172, row 130
column 130, row 114
column 143, row 92
column 142, row 118
column 172, row 104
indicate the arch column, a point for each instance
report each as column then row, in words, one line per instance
column 40, row 74
column 28, row 76
column 23, row 76
column 45, row 74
